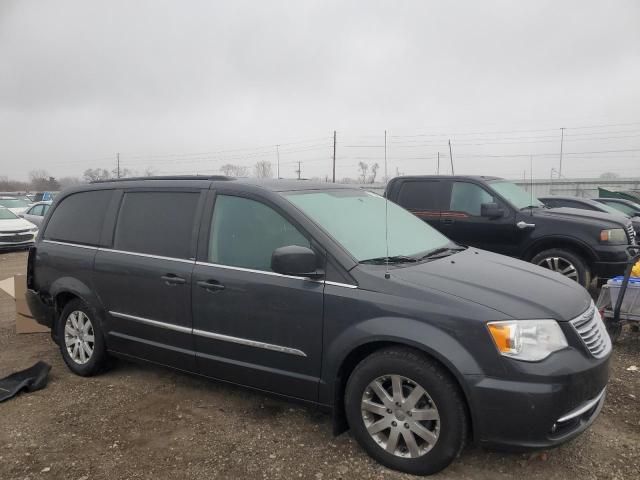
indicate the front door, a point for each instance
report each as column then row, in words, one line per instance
column 463, row 223
column 144, row 279
column 253, row 326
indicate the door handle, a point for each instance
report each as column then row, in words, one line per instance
column 448, row 221
column 210, row 285
column 173, row 279
column 522, row 225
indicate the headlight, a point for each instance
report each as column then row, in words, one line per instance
column 528, row 340
column 616, row 236
column 33, row 230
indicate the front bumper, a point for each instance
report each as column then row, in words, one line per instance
column 542, row 410
column 611, row 261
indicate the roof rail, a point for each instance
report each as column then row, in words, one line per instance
column 167, row 177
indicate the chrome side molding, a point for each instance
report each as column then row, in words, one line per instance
column 212, row 335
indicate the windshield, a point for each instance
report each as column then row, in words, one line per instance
column 13, row 203
column 518, row 197
column 624, row 208
column 356, row 220
column 612, row 210
column 7, row 214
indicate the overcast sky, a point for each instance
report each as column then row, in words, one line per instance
column 186, row 86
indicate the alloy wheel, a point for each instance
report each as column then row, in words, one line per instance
column 400, row 416
column 560, row 265
column 79, row 337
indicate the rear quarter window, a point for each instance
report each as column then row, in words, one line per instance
column 78, row 218
column 422, row 195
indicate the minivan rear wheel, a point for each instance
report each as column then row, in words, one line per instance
column 406, row 411
column 566, row 263
column 80, row 339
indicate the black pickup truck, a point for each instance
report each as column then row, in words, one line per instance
column 494, row 214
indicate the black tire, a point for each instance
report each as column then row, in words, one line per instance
column 97, row 360
column 441, row 389
column 546, row 258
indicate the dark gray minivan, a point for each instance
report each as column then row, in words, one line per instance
column 415, row 343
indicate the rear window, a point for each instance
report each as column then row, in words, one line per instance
column 78, row 218
column 156, row 223
column 419, row 195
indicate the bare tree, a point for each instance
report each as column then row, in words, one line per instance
column 232, row 170
column 374, row 172
column 149, row 172
column 38, row 175
column 94, row 174
column 263, row 169
column 364, row 168
column 69, row 181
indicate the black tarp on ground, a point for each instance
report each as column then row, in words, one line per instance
column 31, row 379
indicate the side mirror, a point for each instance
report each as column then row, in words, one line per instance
column 295, row 260
column 491, row 210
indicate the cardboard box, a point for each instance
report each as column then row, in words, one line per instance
column 26, row 324
column 17, row 287
column 20, row 292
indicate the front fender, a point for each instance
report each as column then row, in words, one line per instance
column 435, row 342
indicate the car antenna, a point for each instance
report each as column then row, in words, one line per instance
column 531, row 184
column 386, row 210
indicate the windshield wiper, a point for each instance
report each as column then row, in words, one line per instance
column 442, row 252
column 391, row 259
column 533, row 206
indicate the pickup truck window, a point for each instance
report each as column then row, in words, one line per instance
column 244, row 233
column 517, row 196
column 422, row 195
column 468, row 197
column 355, row 219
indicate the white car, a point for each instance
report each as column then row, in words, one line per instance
column 15, row 232
column 16, row 205
column 36, row 212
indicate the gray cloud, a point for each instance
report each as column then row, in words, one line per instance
column 81, row 80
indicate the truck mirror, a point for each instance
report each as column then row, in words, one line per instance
column 491, row 210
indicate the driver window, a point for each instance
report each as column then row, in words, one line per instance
column 468, row 197
column 244, row 233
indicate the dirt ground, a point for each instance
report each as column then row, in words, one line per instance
column 139, row 421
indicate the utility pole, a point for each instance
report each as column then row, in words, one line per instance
column 438, row 165
column 299, row 170
column 278, row 157
column 561, row 145
column 451, row 158
column 118, row 165
column 334, row 156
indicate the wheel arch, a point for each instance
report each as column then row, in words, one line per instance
column 359, row 352
column 67, row 289
column 573, row 245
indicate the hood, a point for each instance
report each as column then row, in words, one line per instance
column 597, row 218
column 514, row 287
column 18, row 210
column 15, row 224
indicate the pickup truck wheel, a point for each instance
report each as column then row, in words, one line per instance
column 566, row 263
column 80, row 337
column 406, row 411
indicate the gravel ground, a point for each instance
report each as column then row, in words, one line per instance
column 139, row 421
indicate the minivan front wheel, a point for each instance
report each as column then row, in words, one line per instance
column 406, row 411
column 80, row 339
column 565, row 263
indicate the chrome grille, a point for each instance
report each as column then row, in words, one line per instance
column 592, row 332
column 631, row 233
